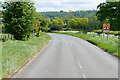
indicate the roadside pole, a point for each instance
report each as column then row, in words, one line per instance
column 103, row 35
column 32, row 33
column 107, row 36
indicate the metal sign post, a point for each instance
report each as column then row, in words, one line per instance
column 107, row 36
column 37, row 28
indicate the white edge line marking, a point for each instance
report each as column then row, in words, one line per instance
column 79, row 65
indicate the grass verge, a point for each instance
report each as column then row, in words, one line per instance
column 0, row 61
column 14, row 53
column 110, row 45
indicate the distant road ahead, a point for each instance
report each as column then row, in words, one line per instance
column 71, row 57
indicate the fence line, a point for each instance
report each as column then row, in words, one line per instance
column 7, row 37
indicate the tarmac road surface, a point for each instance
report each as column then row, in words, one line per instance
column 71, row 57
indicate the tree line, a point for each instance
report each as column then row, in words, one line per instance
column 77, row 14
column 108, row 13
column 83, row 24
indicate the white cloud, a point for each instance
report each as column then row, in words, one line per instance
column 57, row 5
column 66, row 5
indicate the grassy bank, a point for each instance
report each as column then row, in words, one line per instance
column 0, row 61
column 110, row 45
column 14, row 53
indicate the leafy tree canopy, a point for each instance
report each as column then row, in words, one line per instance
column 56, row 21
column 18, row 18
column 109, row 12
column 78, row 23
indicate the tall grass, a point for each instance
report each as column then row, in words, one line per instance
column 14, row 53
column 0, row 60
column 110, row 45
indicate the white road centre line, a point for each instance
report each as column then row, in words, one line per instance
column 79, row 65
column 83, row 75
column 78, row 62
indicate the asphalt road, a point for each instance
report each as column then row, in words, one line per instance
column 71, row 57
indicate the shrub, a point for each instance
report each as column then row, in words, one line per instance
column 56, row 27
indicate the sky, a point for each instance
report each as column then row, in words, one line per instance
column 66, row 5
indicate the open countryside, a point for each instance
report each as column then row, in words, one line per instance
column 59, row 43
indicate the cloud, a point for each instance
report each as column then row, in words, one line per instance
column 57, row 5
column 74, row 3
column 66, row 5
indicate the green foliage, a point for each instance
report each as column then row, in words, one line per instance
column 77, row 14
column 110, row 11
column 43, row 22
column 67, row 18
column 72, row 23
column 56, row 23
column 78, row 23
column 56, row 27
column 17, row 52
column 94, row 23
column 18, row 18
column 112, row 0
column 1, row 61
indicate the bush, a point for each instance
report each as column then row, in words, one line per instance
column 49, row 30
column 66, row 29
column 43, row 29
column 56, row 27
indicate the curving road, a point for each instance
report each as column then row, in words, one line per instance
column 71, row 57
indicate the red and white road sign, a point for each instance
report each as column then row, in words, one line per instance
column 106, row 28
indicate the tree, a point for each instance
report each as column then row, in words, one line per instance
column 72, row 23
column 68, row 14
column 56, row 27
column 61, row 11
column 57, row 21
column 109, row 11
column 94, row 23
column 67, row 18
column 18, row 18
column 43, row 22
column 78, row 23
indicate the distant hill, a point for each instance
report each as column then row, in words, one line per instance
column 78, row 14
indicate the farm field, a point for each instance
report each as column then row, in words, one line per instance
column 110, row 45
column 16, row 52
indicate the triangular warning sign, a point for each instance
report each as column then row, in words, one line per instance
column 106, row 27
